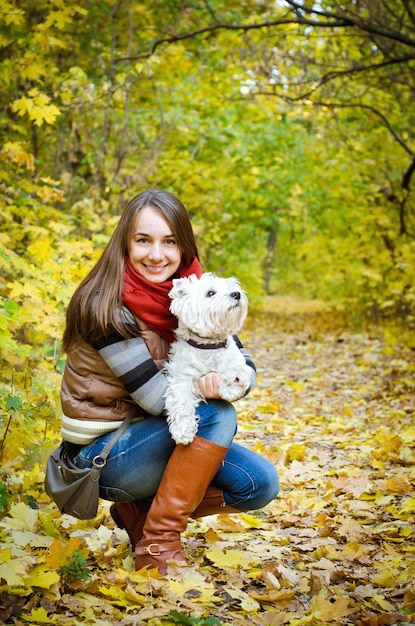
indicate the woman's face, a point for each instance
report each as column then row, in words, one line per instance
column 153, row 248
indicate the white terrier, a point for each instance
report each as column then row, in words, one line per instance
column 209, row 311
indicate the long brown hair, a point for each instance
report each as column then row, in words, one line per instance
column 95, row 306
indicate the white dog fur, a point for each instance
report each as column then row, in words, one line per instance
column 209, row 311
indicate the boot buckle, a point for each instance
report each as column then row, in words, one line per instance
column 148, row 549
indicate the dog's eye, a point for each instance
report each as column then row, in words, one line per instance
column 210, row 294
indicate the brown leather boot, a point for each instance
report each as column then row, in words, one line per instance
column 131, row 516
column 188, row 473
column 213, row 502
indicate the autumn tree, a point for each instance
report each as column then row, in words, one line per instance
column 355, row 63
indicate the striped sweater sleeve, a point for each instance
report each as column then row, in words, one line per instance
column 248, row 361
column 131, row 362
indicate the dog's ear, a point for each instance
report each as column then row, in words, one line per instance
column 179, row 288
column 177, row 294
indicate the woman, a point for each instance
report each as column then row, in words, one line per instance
column 118, row 331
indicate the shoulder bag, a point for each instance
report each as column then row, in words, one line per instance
column 76, row 491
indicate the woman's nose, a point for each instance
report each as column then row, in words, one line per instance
column 155, row 251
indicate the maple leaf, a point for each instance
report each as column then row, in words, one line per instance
column 21, row 517
column 37, row 107
column 59, row 552
column 230, row 558
column 188, row 581
column 326, row 611
column 60, row 18
column 13, row 570
column 40, row 616
column 41, row 576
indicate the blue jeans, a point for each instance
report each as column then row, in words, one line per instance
column 136, row 463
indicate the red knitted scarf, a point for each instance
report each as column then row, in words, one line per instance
column 150, row 301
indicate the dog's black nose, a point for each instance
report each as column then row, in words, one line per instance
column 236, row 295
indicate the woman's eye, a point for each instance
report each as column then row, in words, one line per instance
column 170, row 242
column 210, row 294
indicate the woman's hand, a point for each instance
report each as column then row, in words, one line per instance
column 209, row 385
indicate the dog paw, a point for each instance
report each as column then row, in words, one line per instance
column 231, row 392
column 235, row 388
column 184, row 439
column 183, row 430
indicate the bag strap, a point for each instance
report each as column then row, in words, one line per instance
column 100, row 459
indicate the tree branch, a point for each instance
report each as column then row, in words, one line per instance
column 338, row 23
column 332, row 75
column 364, row 25
column 409, row 11
column 406, row 181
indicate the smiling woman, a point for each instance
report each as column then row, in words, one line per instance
column 117, row 338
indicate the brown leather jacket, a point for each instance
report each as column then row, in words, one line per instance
column 89, row 388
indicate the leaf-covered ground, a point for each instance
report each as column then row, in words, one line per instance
column 334, row 409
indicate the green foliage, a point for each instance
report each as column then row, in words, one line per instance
column 4, row 498
column 75, row 568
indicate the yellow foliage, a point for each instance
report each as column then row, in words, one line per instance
column 10, row 13
column 15, row 151
column 37, row 107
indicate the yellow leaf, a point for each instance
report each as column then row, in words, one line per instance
column 59, row 552
column 39, row 616
column 24, row 538
column 409, row 507
column 273, row 406
column 22, row 105
column 397, row 484
column 354, row 551
column 384, row 578
column 21, row 517
column 296, row 452
column 294, row 384
column 230, row 558
column 42, row 576
column 32, row 66
column 117, row 597
column 132, row 595
column 330, row 610
column 384, row 604
column 59, row 18
column 193, row 584
column 136, row 577
column 250, row 521
column 37, row 107
column 11, row 14
column 13, row 572
column 248, row 604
